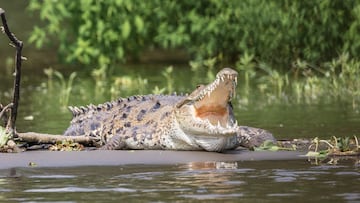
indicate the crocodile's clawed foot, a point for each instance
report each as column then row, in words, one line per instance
column 250, row 137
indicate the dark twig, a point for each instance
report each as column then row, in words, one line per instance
column 3, row 109
column 16, row 92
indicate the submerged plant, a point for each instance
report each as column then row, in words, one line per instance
column 100, row 76
column 337, row 146
column 247, row 65
column 157, row 90
column 208, row 65
column 274, row 78
column 168, row 74
column 49, row 72
column 127, row 85
column 65, row 87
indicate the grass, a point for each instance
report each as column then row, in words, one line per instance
column 259, row 84
column 65, row 85
column 337, row 80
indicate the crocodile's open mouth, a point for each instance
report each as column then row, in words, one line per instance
column 210, row 104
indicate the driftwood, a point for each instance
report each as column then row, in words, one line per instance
column 8, row 113
column 42, row 138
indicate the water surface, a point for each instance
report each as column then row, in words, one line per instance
column 249, row 181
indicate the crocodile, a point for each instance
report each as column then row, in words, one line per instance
column 201, row 120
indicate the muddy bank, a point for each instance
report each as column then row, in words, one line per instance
column 122, row 157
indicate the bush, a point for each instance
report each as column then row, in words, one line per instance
column 278, row 32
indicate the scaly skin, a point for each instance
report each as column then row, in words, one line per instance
column 203, row 120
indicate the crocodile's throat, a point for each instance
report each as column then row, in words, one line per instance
column 207, row 110
column 212, row 103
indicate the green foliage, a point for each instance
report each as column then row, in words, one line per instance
column 247, row 65
column 336, row 80
column 278, row 32
column 168, row 75
column 205, row 64
column 123, row 86
column 65, row 88
column 100, row 77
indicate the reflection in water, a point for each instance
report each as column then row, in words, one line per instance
column 270, row 181
column 211, row 165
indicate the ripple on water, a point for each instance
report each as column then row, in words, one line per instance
column 282, row 179
column 80, row 189
column 211, row 196
column 290, row 176
column 281, row 194
column 350, row 196
column 52, row 176
column 350, row 173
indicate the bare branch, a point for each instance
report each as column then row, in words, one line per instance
column 16, row 91
column 3, row 109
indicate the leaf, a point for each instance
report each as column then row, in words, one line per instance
column 139, row 23
column 125, row 29
column 312, row 154
column 4, row 136
column 32, row 164
column 320, row 154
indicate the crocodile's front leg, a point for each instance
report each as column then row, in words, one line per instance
column 250, row 137
column 115, row 143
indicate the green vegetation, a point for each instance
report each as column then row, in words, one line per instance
column 278, row 32
column 336, row 148
column 65, row 87
column 259, row 85
column 4, row 136
column 337, row 80
column 287, row 50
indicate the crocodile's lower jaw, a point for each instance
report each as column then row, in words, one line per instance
column 215, row 144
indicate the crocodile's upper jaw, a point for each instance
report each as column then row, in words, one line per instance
column 207, row 110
